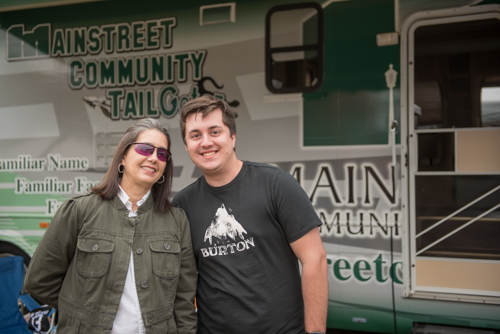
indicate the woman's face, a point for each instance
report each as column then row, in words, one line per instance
column 142, row 172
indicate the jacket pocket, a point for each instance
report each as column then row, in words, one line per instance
column 94, row 257
column 166, row 258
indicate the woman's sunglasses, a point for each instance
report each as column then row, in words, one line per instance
column 147, row 149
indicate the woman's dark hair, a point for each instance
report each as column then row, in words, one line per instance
column 108, row 188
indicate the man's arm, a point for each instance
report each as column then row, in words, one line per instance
column 311, row 254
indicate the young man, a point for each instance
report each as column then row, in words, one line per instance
column 250, row 223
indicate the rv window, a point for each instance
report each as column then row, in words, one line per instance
column 490, row 106
column 457, row 74
column 294, row 48
column 436, row 152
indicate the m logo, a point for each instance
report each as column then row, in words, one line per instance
column 32, row 44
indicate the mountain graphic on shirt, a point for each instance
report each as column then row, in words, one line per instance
column 223, row 226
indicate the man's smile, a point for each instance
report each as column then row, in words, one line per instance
column 208, row 154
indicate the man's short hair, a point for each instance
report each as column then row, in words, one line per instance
column 205, row 105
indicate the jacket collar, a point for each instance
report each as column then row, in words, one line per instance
column 118, row 205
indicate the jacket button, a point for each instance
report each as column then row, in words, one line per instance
column 150, row 318
column 139, row 251
column 136, row 221
column 167, row 245
column 95, row 247
column 144, row 284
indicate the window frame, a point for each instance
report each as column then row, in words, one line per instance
column 318, row 47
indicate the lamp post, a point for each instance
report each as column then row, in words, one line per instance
column 390, row 79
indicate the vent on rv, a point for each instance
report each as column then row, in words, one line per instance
column 219, row 13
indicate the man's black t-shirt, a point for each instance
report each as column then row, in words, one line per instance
column 249, row 280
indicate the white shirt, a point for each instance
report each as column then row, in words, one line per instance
column 129, row 317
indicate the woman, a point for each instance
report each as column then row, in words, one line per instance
column 120, row 259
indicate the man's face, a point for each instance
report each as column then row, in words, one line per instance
column 209, row 143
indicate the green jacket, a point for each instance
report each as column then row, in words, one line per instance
column 81, row 264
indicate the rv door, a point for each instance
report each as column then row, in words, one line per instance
column 452, row 178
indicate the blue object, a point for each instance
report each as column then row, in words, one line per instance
column 29, row 302
column 11, row 283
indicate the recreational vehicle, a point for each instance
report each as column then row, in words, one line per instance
column 387, row 112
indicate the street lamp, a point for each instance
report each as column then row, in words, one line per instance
column 390, row 79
